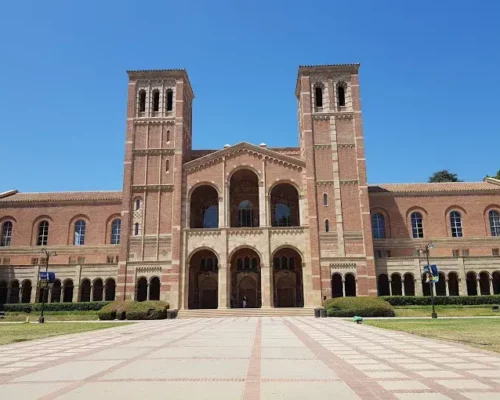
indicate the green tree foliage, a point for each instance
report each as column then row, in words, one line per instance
column 443, row 176
column 497, row 176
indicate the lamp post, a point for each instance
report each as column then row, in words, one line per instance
column 47, row 255
column 426, row 249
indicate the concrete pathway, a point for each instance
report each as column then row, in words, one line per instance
column 246, row 358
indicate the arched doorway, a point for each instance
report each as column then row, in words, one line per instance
column 383, row 285
column 337, row 290
column 426, row 286
column 203, row 280
column 14, row 292
column 350, row 285
column 26, row 297
column 3, row 292
column 396, row 283
column 284, row 205
column 85, row 290
column 204, row 207
column 68, row 291
column 55, row 293
column 287, row 279
column 484, row 283
column 409, row 284
column 110, row 289
column 471, row 284
column 245, row 279
column 453, row 284
column 142, row 289
column 244, row 199
column 154, row 288
column 98, row 289
column 496, row 282
column 441, row 285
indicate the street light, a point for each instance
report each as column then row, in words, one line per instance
column 426, row 249
column 45, row 283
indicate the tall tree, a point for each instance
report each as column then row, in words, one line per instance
column 497, row 176
column 443, row 176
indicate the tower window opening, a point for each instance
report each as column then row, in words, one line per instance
column 142, row 101
column 341, row 96
column 319, row 96
column 170, row 99
column 156, row 101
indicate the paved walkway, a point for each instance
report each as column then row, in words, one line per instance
column 246, row 358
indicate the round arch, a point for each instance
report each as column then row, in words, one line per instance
column 34, row 226
column 409, row 284
column 396, row 284
column 202, row 183
column 284, row 205
column 337, row 285
column 204, row 207
column 203, row 279
column 244, row 246
column 244, row 206
column 288, row 282
column 245, row 278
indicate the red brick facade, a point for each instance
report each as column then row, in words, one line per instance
column 246, row 224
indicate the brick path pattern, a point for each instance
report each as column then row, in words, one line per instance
column 247, row 358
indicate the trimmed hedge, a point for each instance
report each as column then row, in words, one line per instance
column 133, row 310
column 29, row 307
column 360, row 306
column 441, row 300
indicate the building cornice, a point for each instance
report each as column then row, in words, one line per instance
column 152, row 188
column 154, row 152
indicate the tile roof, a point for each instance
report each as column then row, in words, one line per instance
column 61, row 196
column 433, row 187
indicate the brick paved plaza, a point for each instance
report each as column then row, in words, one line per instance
column 246, row 358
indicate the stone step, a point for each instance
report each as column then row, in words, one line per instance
column 246, row 312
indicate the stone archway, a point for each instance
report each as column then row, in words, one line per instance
column 245, row 279
column 287, row 279
column 203, row 280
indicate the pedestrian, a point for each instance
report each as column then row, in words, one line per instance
column 244, row 301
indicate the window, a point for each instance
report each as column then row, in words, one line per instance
column 109, row 259
column 325, row 199
column 465, row 252
column 81, row 260
column 494, row 222
column 211, row 217
column 168, row 136
column 71, row 260
column 378, row 226
column 6, row 234
column 137, row 229
column 417, row 226
column 327, row 225
column 43, row 234
column 79, row 233
column 117, row 258
column 456, row 224
column 170, row 99
column 142, row 101
column 138, row 204
column 282, row 215
column 495, row 252
column 156, row 100
column 455, row 253
column 319, row 96
column 116, row 227
column 387, row 253
column 167, row 165
column 34, row 261
column 378, row 253
column 341, row 95
column 245, row 213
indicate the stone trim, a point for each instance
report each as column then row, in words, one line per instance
column 152, row 188
column 154, row 152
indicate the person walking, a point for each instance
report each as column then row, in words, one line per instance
column 244, row 301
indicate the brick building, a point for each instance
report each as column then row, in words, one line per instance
column 278, row 227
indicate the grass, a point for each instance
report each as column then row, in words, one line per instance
column 477, row 332
column 445, row 311
column 52, row 316
column 12, row 333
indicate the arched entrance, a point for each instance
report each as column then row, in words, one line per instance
column 284, row 205
column 245, row 279
column 85, row 290
column 287, row 278
column 68, row 291
column 396, row 283
column 484, row 283
column 244, row 199
column 98, row 290
column 26, row 297
column 409, row 284
column 337, row 285
column 14, row 292
column 110, row 289
column 203, row 280
column 142, row 289
column 441, row 285
column 471, row 280
column 383, row 285
column 453, row 284
column 204, row 207
column 55, row 293
column 154, row 288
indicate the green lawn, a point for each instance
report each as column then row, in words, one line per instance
column 445, row 311
column 11, row 333
column 52, row 316
column 475, row 332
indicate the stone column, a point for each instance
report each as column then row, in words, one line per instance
column 91, row 291
column 418, row 281
column 462, row 279
column 262, row 204
column 478, row 287
column 301, row 210
column 447, row 287
column 265, row 286
column 343, row 288
column 390, row 287
column 148, row 291
column 491, row 286
column 8, row 293
column 403, row 287
column 222, row 300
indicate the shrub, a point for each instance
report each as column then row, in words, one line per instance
column 361, row 306
column 133, row 310
column 441, row 300
column 30, row 307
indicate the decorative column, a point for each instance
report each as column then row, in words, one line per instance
column 491, row 286
column 222, row 290
column 417, row 284
column 91, row 291
column 403, row 287
column 390, row 287
column 478, row 287
column 447, row 287
column 9, row 288
column 262, row 204
column 148, row 291
column 343, row 288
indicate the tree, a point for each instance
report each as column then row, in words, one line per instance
column 444, row 176
column 497, row 176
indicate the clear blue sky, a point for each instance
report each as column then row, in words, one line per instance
column 430, row 80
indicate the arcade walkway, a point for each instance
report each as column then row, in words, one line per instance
column 246, row 358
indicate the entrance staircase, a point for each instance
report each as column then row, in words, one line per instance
column 247, row 312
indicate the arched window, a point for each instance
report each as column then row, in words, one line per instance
column 378, row 226
column 456, row 224
column 170, row 99
column 211, row 217
column 79, row 233
column 167, row 165
column 325, row 199
column 6, row 234
column 417, row 226
column 277, row 263
column 43, row 234
column 245, row 213
column 116, row 227
column 319, row 96
column 156, row 100
column 137, row 229
column 138, row 204
column 142, row 101
column 327, row 225
column 168, row 136
column 494, row 222
column 284, row 262
column 341, row 95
